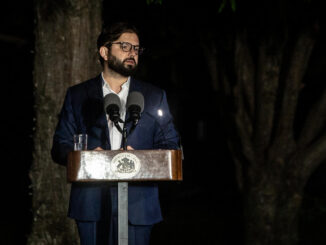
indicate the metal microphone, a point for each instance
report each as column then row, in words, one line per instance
column 112, row 107
column 135, row 106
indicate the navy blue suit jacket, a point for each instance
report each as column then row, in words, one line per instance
column 83, row 112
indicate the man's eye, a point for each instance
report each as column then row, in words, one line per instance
column 125, row 45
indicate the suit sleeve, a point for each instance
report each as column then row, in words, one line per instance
column 166, row 136
column 63, row 136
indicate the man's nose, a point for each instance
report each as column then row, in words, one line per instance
column 133, row 52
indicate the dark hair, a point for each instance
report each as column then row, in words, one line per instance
column 112, row 32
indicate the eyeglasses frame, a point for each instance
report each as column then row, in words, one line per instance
column 138, row 52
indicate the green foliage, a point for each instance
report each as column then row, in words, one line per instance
column 223, row 4
column 154, row 2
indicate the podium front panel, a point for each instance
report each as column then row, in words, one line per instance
column 136, row 165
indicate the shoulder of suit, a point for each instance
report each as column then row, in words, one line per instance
column 84, row 86
column 85, row 83
column 148, row 87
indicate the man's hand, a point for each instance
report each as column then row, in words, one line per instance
column 129, row 148
column 98, row 149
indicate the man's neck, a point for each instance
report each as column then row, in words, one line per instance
column 115, row 80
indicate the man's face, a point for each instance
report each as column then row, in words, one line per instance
column 124, row 63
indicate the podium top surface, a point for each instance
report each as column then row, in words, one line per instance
column 119, row 165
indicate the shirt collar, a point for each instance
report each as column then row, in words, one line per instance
column 106, row 85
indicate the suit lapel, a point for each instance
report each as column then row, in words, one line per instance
column 95, row 93
column 134, row 86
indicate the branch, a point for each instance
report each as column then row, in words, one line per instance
column 297, row 68
column 239, row 165
column 245, row 70
column 269, row 65
column 315, row 122
column 314, row 155
column 243, row 127
column 13, row 39
column 210, row 52
column 244, row 96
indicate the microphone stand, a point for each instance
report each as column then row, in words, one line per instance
column 123, row 131
column 122, row 194
column 123, row 186
column 124, row 137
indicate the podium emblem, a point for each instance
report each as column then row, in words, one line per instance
column 125, row 165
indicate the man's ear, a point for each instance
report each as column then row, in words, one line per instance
column 104, row 52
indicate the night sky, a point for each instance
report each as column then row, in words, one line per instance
column 207, row 202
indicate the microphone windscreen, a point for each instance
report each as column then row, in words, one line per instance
column 111, row 99
column 137, row 99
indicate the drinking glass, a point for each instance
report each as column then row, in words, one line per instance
column 80, row 142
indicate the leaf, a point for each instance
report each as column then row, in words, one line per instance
column 154, row 2
column 233, row 5
column 222, row 6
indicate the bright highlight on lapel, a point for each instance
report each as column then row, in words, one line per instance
column 160, row 112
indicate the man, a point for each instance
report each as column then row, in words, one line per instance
column 94, row 205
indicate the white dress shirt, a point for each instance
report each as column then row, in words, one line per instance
column 115, row 135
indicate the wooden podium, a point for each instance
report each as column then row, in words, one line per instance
column 123, row 167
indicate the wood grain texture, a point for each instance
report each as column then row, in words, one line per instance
column 155, row 165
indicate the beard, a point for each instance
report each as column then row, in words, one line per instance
column 120, row 67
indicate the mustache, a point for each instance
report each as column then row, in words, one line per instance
column 130, row 59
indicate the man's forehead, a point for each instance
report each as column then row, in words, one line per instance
column 129, row 37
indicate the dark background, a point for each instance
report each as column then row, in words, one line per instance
column 16, row 48
column 205, row 208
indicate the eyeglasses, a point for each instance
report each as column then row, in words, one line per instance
column 126, row 47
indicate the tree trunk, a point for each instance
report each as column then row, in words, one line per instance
column 273, row 163
column 65, row 54
column 271, row 209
